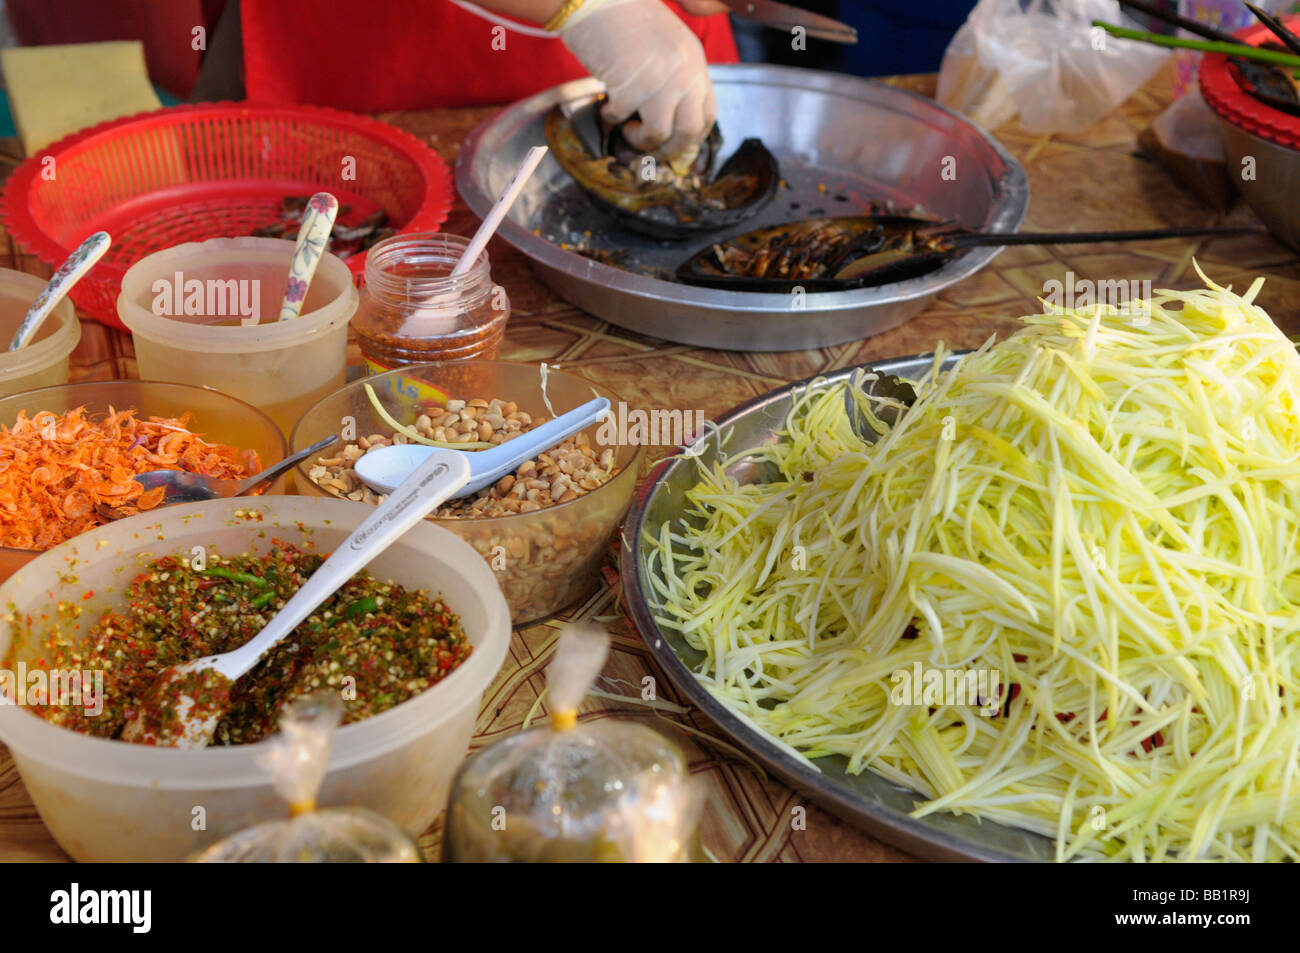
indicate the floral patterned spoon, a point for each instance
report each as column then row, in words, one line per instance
column 69, row 273
column 313, row 237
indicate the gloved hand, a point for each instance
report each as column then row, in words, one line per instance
column 651, row 63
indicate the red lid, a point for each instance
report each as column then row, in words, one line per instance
column 1238, row 107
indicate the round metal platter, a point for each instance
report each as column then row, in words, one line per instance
column 866, row 800
column 841, row 141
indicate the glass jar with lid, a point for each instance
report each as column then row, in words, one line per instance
column 413, row 311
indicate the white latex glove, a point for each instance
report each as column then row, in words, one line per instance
column 651, row 63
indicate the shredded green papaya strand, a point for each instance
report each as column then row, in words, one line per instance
column 1103, row 511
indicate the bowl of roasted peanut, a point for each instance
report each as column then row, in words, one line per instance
column 543, row 529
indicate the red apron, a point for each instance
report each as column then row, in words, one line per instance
column 409, row 54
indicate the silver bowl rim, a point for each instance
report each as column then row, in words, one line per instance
column 911, row 834
column 1010, row 206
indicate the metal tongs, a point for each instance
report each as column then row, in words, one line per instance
column 1277, row 28
column 893, row 396
column 782, row 16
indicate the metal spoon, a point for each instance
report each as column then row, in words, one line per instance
column 383, row 469
column 181, row 486
column 423, row 491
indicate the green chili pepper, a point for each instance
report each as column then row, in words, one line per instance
column 233, row 576
column 263, row 599
column 361, row 607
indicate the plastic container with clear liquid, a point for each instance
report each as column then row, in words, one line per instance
column 44, row 361
column 225, row 333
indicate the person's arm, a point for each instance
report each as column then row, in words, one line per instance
column 536, row 11
column 540, row 11
column 649, row 60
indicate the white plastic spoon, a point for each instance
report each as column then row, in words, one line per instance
column 69, row 273
column 384, row 468
column 439, row 476
column 498, row 211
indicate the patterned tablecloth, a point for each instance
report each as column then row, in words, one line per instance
column 1082, row 181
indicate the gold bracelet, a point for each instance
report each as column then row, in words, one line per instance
column 570, row 7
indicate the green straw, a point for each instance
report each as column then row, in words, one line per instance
column 1206, row 46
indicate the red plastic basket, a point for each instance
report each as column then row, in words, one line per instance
column 211, row 170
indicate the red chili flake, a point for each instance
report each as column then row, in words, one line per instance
column 1155, row 741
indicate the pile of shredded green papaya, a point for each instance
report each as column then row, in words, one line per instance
column 1102, row 510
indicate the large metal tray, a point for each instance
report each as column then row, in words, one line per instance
column 867, row 800
column 856, row 138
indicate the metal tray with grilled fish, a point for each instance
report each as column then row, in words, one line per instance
column 842, row 144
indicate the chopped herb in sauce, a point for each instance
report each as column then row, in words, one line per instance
column 375, row 642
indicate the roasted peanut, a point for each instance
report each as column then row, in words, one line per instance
column 549, row 560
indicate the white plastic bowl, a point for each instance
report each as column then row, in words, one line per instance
column 109, row 800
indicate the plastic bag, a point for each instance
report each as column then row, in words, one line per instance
column 298, row 760
column 1190, row 127
column 1043, row 61
column 603, row 790
column 1186, row 140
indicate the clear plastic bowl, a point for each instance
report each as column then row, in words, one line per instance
column 545, row 560
column 281, row 367
column 107, row 800
column 44, row 361
column 218, row 417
